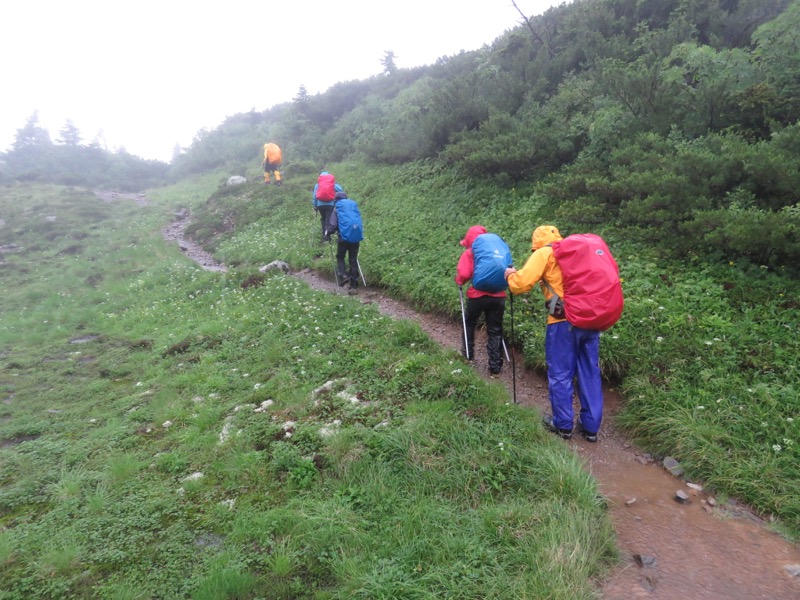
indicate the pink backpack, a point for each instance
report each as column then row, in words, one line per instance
column 592, row 288
column 326, row 192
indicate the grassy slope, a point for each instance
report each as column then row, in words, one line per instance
column 128, row 372
column 709, row 353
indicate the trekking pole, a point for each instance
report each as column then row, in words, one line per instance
column 513, row 361
column 505, row 348
column 333, row 259
column 312, row 238
column 360, row 272
column 464, row 321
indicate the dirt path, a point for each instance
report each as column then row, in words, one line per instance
column 670, row 550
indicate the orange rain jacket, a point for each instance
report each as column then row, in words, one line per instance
column 540, row 267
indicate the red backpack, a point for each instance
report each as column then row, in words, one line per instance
column 326, row 190
column 592, row 288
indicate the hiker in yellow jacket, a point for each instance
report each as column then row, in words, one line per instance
column 570, row 352
column 272, row 162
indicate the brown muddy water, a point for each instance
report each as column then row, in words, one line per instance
column 670, row 550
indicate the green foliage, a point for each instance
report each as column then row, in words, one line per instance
column 214, row 436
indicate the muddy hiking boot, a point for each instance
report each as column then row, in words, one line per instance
column 587, row 435
column 563, row 433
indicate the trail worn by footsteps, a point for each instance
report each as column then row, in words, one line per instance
column 672, row 549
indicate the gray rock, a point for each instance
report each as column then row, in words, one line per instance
column 682, row 497
column 673, row 466
column 792, row 570
column 644, row 560
column 275, row 265
column 236, row 180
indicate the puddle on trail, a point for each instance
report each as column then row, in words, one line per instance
column 669, row 550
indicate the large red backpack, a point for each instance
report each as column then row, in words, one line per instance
column 326, row 187
column 592, row 288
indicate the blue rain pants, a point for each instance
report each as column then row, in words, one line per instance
column 572, row 352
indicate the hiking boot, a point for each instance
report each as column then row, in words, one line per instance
column 588, row 436
column 352, row 291
column 266, row 183
column 278, row 183
column 564, row 433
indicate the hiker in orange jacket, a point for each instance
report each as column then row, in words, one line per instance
column 570, row 351
column 273, row 159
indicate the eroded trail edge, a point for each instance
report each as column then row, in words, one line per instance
column 671, row 548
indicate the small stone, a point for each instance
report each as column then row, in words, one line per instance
column 708, row 509
column 682, row 497
column 630, row 501
column 792, row 570
column 694, row 486
column 673, row 466
column 711, row 501
column 649, row 583
column 644, row 560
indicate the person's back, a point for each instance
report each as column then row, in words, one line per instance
column 489, row 302
column 273, row 159
column 351, row 233
column 322, row 198
column 570, row 352
column 351, row 228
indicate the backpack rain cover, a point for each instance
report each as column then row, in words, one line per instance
column 351, row 229
column 491, row 256
column 592, row 289
column 326, row 191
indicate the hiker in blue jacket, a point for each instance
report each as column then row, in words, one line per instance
column 350, row 229
column 324, row 207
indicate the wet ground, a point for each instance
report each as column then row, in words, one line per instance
column 670, row 550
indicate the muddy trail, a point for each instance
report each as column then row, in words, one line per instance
column 671, row 549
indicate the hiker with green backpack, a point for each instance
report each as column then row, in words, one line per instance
column 583, row 296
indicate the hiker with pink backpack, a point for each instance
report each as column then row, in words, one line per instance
column 322, row 199
column 583, row 296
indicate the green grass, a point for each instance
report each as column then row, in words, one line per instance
column 707, row 355
column 173, row 433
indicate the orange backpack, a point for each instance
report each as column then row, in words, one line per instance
column 273, row 153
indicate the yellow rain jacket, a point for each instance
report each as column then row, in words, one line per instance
column 541, row 266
